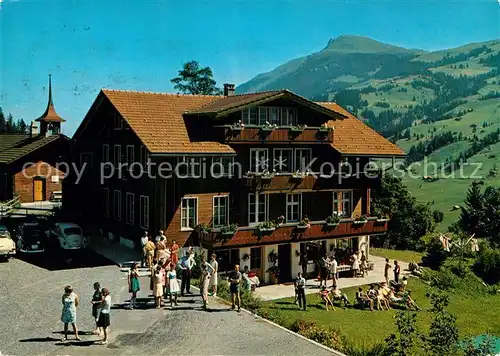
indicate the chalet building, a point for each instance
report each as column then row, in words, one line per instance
column 29, row 162
column 269, row 162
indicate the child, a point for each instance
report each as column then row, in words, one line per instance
column 173, row 288
column 96, row 303
column 325, row 296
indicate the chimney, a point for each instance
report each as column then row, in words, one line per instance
column 228, row 89
column 33, row 129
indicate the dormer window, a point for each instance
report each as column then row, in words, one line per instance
column 250, row 116
column 259, row 115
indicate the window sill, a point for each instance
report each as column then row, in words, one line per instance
column 186, row 229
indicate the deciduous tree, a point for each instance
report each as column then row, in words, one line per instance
column 193, row 79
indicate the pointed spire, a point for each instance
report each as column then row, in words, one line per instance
column 50, row 114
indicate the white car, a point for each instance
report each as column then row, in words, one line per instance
column 69, row 236
column 7, row 245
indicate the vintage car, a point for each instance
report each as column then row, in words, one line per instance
column 69, row 236
column 31, row 237
column 7, row 245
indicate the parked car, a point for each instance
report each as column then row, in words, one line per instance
column 7, row 245
column 31, row 237
column 69, row 236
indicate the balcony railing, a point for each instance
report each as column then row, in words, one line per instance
column 290, row 232
column 281, row 134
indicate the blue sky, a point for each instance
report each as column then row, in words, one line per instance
column 140, row 45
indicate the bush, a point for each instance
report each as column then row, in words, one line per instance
column 438, row 216
column 435, row 254
column 487, row 265
column 328, row 336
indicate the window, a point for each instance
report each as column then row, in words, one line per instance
column 283, row 160
column 117, row 121
column 274, row 116
column 303, row 157
column 105, row 153
column 221, row 211
column 222, row 166
column 144, row 156
column 336, row 202
column 117, row 205
column 347, row 202
column 105, row 201
column 144, row 206
column 117, row 157
column 190, row 167
column 256, row 258
column 86, row 157
column 293, row 207
column 288, row 117
column 259, row 161
column 228, row 258
column 189, row 213
column 129, row 208
column 262, row 115
column 250, row 115
column 257, row 208
column 130, row 154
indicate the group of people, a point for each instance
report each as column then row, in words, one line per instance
column 101, row 307
column 328, row 267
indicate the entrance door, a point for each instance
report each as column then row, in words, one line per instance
column 38, row 189
column 285, row 262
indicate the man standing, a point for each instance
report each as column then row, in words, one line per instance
column 303, row 263
column 300, row 284
column 386, row 270
column 335, row 275
column 323, row 270
column 397, row 270
column 213, row 279
column 234, row 287
column 186, row 264
column 144, row 241
column 160, row 237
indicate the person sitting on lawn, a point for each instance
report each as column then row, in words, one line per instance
column 410, row 303
column 326, row 298
column 338, row 295
column 382, row 303
column 403, row 284
column 362, row 299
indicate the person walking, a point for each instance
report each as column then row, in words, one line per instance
column 206, row 272
column 300, row 283
column 104, row 318
column 186, row 264
column 150, row 253
column 70, row 302
column 134, row 285
column 158, row 285
column 144, row 241
column 96, row 302
column 387, row 268
column 397, row 271
column 234, row 287
column 172, row 285
column 214, row 277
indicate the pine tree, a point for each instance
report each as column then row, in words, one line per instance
column 21, row 126
column 3, row 124
column 10, row 127
column 472, row 216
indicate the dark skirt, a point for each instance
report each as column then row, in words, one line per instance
column 234, row 288
column 95, row 310
column 103, row 321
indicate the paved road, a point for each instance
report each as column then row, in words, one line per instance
column 30, row 301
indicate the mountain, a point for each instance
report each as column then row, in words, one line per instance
column 441, row 107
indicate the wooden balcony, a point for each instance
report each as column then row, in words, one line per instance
column 318, row 230
column 289, row 182
column 282, row 134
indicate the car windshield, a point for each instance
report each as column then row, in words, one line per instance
column 72, row 231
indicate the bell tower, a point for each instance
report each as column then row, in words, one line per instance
column 50, row 122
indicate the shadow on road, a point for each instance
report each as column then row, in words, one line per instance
column 40, row 339
column 64, row 260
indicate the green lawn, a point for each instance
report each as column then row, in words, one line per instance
column 399, row 255
column 475, row 315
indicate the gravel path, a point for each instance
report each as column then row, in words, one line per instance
column 30, row 311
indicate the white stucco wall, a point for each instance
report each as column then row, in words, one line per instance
column 295, row 260
column 364, row 244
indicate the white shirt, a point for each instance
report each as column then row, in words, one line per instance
column 106, row 305
column 160, row 238
column 144, row 241
column 215, row 265
column 334, row 265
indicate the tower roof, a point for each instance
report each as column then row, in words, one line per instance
column 50, row 114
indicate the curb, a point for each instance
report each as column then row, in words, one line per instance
column 334, row 352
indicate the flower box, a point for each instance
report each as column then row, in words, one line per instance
column 267, row 129
column 297, row 129
column 236, row 128
column 228, row 233
column 266, row 229
column 302, row 227
column 360, row 222
column 382, row 220
column 332, row 224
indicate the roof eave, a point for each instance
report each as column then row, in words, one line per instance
column 194, row 154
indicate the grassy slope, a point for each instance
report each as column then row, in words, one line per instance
column 399, row 255
column 369, row 328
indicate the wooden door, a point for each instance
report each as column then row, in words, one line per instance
column 38, row 189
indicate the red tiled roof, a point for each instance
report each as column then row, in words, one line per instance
column 353, row 137
column 158, row 121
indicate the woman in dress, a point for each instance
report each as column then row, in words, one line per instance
column 104, row 320
column 158, row 285
column 160, row 251
column 206, row 272
column 355, row 264
column 173, row 288
column 174, row 252
column 96, row 301
column 133, row 285
column 69, row 301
